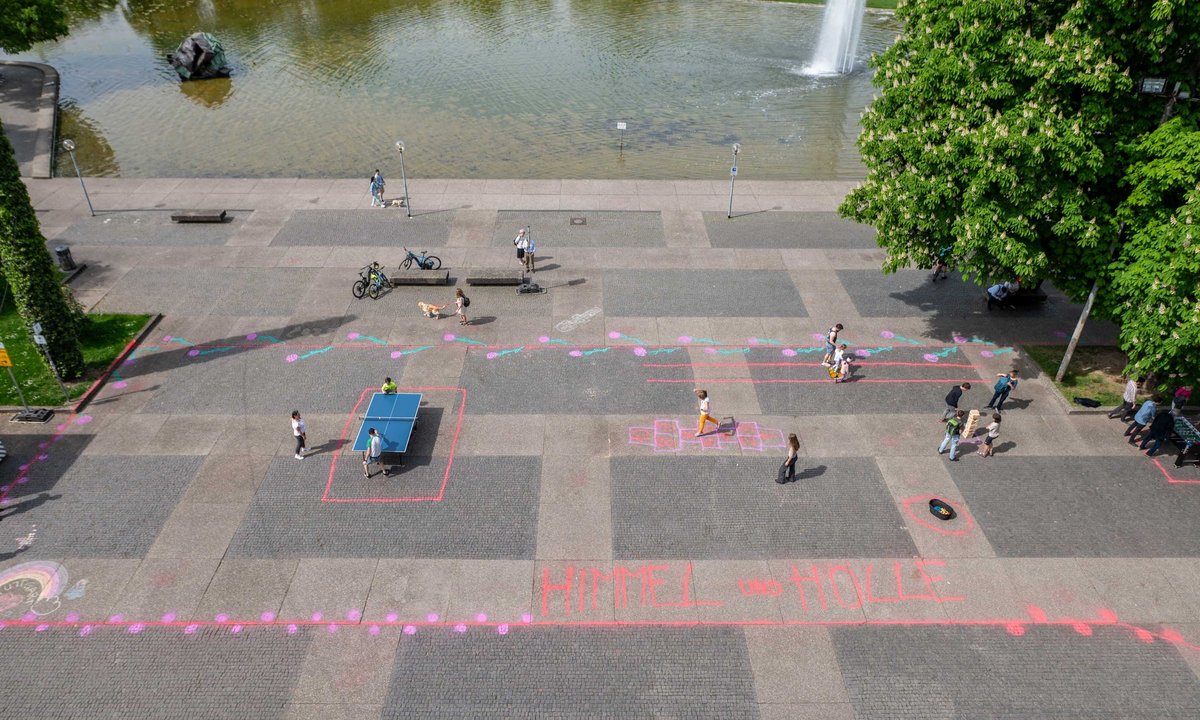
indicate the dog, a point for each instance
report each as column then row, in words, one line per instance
column 430, row 310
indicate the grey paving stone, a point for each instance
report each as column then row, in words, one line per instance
column 712, row 293
column 369, row 226
column 909, row 293
column 820, row 230
column 150, row 227
column 204, row 290
column 156, row 674
column 489, row 512
column 970, row 673
column 798, row 385
column 611, row 381
column 700, row 672
column 1080, row 507
column 731, row 507
column 552, row 229
column 97, row 506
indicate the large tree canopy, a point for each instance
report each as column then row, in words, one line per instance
column 26, row 22
column 1005, row 128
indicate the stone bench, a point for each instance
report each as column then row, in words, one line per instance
column 199, row 216
column 419, row 277
column 494, row 276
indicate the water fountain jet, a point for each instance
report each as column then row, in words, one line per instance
column 838, row 42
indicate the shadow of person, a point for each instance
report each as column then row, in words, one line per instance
column 27, row 504
column 1017, row 403
column 327, row 446
column 1003, row 447
column 811, row 472
column 13, row 554
column 543, row 267
column 483, row 319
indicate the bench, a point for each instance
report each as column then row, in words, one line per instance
column 1024, row 296
column 419, row 277
column 199, row 216
column 494, row 277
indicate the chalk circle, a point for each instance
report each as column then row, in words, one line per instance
column 316, row 617
column 431, row 617
column 639, row 351
column 684, row 338
column 1015, row 629
column 752, row 341
column 959, row 339
column 396, row 354
column 85, row 631
column 29, row 617
column 1082, row 628
column 291, row 629
column 480, row 617
column 42, row 457
column 788, row 352
column 930, row 357
column 332, row 628
column 410, row 630
column 526, row 618
column 235, row 629
column 267, row 616
column 1144, row 635
column 544, row 339
column 353, row 614
column 448, row 337
column 710, row 350
column 818, row 336
column 23, row 479
column 392, row 617
column 167, row 338
column 502, row 628
column 83, row 419
column 374, row 630
column 43, row 445
column 862, row 352
column 72, row 617
column 917, row 508
column 614, row 335
column 492, row 355
column 292, row 358
column 168, row 617
column 222, row 618
column 251, row 336
column 136, row 628
column 193, row 353
column 120, row 385
column 460, row 628
column 575, row 353
column 116, row 618
column 352, row 336
column 987, row 353
column 887, row 334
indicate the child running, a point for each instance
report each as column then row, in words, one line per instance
column 705, row 413
column 993, row 432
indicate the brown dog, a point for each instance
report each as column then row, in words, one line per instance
column 430, row 310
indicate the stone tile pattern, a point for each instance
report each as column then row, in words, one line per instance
column 1033, row 508
column 158, row 674
column 730, row 507
column 782, row 230
column 909, row 292
column 151, row 227
column 700, row 672
column 369, row 226
column 712, row 293
column 552, row 230
column 489, row 512
column 1050, row 672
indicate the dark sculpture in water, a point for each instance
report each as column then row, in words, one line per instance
column 199, row 57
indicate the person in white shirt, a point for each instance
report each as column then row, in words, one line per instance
column 705, row 413
column 1128, row 400
column 524, row 245
column 301, row 435
column 841, row 363
column 993, row 432
column 373, row 453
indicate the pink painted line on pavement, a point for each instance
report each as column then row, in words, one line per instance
column 807, row 381
column 807, row 364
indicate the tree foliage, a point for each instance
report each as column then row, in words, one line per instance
column 1004, row 130
column 29, row 269
column 26, row 22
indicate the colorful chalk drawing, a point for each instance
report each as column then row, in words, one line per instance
column 208, row 351
column 451, row 337
column 726, row 351
column 501, row 353
column 34, row 589
column 614, row 335
column 293, row 357
column 763, row 341
column 547, row 340
column 119, row 381
column 662, row 351
column 576, row 320
column 269, row 338
column 586, row 353
column 670, row 436
column 410, row 351
column 689, row 340
column 352, row 336
column 179, row 340
column 937, row 356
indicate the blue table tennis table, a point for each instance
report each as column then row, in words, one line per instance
column 393, row 416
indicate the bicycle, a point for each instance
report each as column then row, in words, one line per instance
column 370, row 281
column 424, row 260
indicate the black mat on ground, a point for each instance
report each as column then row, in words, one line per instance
column 910, row 292
column 157, row 673
column 489, row 512
column 815, row 230
column 581, row 228
column 711, row 293
column 891, row 379
column 149, row 227
column 1049, row 672
column 730, row 507
column 612, row 381
column 1081, row 506
column 111, row 506
column 696, row 672
column 369, row 226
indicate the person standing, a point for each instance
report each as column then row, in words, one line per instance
column 1128, row 398
column 300, row 433
column 831, row 341
column 1182, row 394
column 1141, row 419
column 373, row 453
column 1159, row 431
column 787, row 471
column 460, row 303
column 993, row 432
column 705, row 413
column 952, row 399
column 530, row 248
column 1005, row 383
column 953, row 428
column 522, row 243
column 389, row 387
column 377, row 184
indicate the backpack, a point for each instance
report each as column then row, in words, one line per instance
column 466, row 301
column 1002, row 384
column 953, row 426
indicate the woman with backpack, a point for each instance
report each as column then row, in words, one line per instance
column 461, row 301
column 1004, row 385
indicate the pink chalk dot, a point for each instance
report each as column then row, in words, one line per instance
column 788, row 352
column 1015, row 629
column 392, row 617
column 492, row 355
column 639, row 351
column 862, row 352
column 1144, row 635
column 24, row 467
column 167, row 338
column 267, row 616
column 168, row 617
column 448, row 337
column 23, row 479
column 136, row 628
column 1082, row 628
column 373, row 630
column 431, row 617
column 544, row 338
column 28, row 617
column 352, row 336
column 502, row 628
column 83, row 419
column 481, row 618
column 410, row 630
column 1059, row 333
column 43, row 445
column 959, row 339
column 235, row 629
column 930, row 357
column 116, row 618
column 460, row 628
column 221, row 618
column 120, row 385
column 888, row 334
column 575, row 353
column 3, row 625
column 987, row 353
column 128, row 361
column 291, row 629
column 85, row 631
column 251, row 336
column 752, row 341
column 316, row 617
column 332, row 628
column 526, row 618
column 292, row 358
column 710, row 350
column 193, row 352
column 614, row 335
column 353, row 614
column 396, row 354
column 818, row 336
column 60, row 428
column 41, row 628
column 72, row 617
column 684, row 338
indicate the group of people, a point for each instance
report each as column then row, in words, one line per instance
column 787, row 471
column 526, row 248
column 377, row 185
column 373, row 455
column 956, row 419
column 1152, row 423
column 837, row 356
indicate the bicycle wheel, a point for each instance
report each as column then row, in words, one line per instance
column 360, row 289
column 432, row 262
column 407, row 263
column 373, row 290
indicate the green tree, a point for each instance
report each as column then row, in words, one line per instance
column 1004, row 129
column 26, row 22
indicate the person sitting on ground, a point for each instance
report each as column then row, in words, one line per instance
column 999, row 293
column 389, row 387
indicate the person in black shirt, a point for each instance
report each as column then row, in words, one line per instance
column 1160, row 430
column 952, row 399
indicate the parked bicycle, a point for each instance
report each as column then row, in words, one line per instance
column 424, row 260
column 371, row 281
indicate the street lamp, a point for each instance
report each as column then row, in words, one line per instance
column 69, row 146
column 737, row 148
column 404, row 177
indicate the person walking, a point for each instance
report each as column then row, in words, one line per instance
column 953, row 428
column 787, row 471
column 952, row 399
column 373, row 454
column 1005, row 384
column 377, row 185
column 1141, row 419
column 705, row 413
column 300, row 433
column 389, row 387
column 1160, row 430
column 831, row 341
column 1128, row 398
column 460, row 304
column 993, row 432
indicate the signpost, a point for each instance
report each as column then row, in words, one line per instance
column 621, row 127
column 40, row 340
column 28, row 414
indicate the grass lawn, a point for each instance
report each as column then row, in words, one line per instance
column 103, row 339
column 877, row 4
column 1094, row 372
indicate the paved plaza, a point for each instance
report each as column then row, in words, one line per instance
column 557, row 542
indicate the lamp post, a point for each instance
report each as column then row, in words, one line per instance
column 69, row 146
column 404, row 177
column 737, row 148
